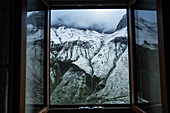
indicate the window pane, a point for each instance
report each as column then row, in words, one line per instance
column 89, row 57
column 147, row 61
column 35, row 61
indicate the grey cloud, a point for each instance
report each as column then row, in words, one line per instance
column 103, row 20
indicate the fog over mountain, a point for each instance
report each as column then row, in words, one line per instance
column 102, row 20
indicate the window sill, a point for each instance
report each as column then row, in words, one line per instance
column 107, row 109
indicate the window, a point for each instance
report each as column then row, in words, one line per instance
column 89, row 61
column 147, row 61
column 97, row 49
column 35, row 90
column 35, row 59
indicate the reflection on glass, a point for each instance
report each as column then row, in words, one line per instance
column 35, row 61
column 147, row 60
column 89, row 57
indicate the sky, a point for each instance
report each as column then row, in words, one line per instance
column 150, row 16
column 103, row 19
column 30, row 13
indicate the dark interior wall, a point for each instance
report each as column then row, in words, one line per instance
column 166, row 27
column 10, row 45
column 5, row 12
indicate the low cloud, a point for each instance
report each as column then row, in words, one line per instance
column 101, row 19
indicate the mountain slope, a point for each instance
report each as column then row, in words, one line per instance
column 93, row 54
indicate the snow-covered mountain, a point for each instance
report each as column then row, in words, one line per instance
column 146, row 34
column 35, row 58
column 92, row 59
column 86, row 66
column 34, row 65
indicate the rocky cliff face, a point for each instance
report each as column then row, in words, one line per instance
column 97, row 70
column 146, row 34
column 122, row 23
column 35, row 60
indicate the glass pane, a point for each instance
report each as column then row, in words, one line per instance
column 89, row 57
column 35, row 61
column 147, row 61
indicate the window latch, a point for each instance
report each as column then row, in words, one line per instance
column 95, row 107
column 84, row 107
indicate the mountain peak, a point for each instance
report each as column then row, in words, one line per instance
column 122, row 23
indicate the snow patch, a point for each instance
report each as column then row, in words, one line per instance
column 83, row 64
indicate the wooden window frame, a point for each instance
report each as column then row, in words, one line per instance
column 163, row 83
column 134, row 107
column 106, row 106
column 23, row 58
